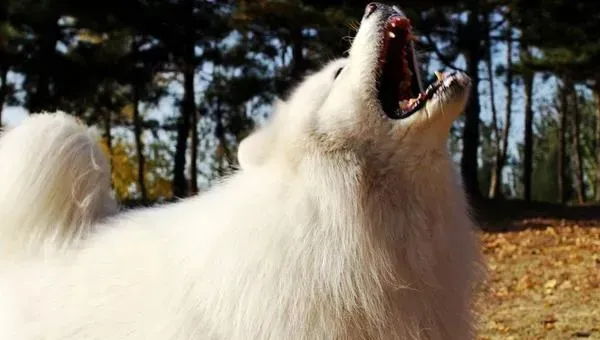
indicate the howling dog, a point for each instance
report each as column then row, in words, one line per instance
column 345, row 221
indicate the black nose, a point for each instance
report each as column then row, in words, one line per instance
column 386, row 9
column 371, row 8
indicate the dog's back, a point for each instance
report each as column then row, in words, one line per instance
column 54, row 185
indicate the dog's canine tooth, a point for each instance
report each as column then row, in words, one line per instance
column 439, row 75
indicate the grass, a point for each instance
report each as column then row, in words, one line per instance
column 543, row 282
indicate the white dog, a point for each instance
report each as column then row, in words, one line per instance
column 54, row 186
column 346, row 221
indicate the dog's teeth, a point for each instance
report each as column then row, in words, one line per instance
column 448, row 81
column 391, row 35
column 439, row 75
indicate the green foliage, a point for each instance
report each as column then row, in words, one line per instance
column 486, row 157
column 566, row 33
column 545, row 170
column 124, row 176
column 116, row 64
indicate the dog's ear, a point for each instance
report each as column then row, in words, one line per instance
column 254, row 149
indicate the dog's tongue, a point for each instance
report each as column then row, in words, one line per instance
column 408, row 104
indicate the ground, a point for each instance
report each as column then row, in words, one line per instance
column 543, row 280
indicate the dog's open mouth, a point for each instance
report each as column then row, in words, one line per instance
column 399, row 88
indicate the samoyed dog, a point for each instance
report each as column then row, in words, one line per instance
column 345, row 221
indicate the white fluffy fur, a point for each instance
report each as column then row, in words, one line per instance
column 342, row 224
column 54, row 185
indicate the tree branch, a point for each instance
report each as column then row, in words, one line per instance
column 440, row 55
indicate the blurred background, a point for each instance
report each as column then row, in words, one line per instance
column 174, row 85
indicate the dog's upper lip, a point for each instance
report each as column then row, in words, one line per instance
column 393, row 26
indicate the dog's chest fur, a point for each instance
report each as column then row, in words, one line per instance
column 355, row 259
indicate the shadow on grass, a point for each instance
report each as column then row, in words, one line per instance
column 514, row 215
column 498, row 216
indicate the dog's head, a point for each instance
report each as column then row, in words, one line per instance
column 372, row 103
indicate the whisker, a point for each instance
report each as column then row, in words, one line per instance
column 354, row 25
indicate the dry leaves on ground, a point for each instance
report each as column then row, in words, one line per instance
column 542, row 284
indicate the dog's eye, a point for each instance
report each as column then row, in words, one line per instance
column 337, row 72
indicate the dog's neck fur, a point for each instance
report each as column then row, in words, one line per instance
column 366, row 236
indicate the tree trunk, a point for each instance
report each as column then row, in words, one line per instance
column 562, row 141
column 298, row 61
column 219, row 133
column 577, row 144
column 180, row 188
column 188, row 107
column 139, row 146
column 41, row 99
column 104, row 111
column 528, row 142
column 3, row 90
column 507, row 114
column 137, row 122
column 223, row 152
column 106, row 116
column 4, row 64
column 597, row 98
column 496, row 177
column 469, row 166
column 194, row 154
